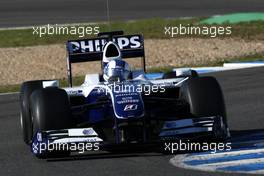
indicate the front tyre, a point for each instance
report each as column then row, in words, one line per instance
column 50, row 110
column 24, row 100
column 205, row 99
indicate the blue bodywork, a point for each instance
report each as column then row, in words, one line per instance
column 126, row 103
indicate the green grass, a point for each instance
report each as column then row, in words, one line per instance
column 9, row 88
column 150, row 28
column 78, row 80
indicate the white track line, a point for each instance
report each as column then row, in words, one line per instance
column 232, row 163
column 223, row 154
column 215, row 166
column 178, row 161
column 256, row 172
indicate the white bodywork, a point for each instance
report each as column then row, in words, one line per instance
column 50, row 83
column 92, row 80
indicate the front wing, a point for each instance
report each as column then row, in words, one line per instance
column 88, row 139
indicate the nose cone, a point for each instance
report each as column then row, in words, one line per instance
column 111, row 51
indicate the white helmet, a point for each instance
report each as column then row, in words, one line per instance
column 116, row 70
column 111, row 51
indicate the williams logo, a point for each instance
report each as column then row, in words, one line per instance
column 131, row 107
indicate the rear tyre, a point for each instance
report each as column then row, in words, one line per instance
column 205, row 99
column 25, row 117
column 50, row 110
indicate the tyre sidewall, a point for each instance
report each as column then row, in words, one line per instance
column 204, row 96
column 25, row 117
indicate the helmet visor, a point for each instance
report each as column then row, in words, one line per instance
column 117, row 74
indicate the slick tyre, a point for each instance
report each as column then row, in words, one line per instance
column 24, row 100
column 50, row 110
column 205, row 99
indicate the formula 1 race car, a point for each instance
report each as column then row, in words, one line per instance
column 119, row 106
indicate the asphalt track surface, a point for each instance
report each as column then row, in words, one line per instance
column 243, row 91
column 14, row 13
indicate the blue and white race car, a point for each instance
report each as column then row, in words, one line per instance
column 119, row 107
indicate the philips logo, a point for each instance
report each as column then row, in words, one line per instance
column 96, row 45
column 131, row 107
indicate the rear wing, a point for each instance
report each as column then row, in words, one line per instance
column 86, row 50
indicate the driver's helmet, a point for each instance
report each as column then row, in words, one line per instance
column 111, row 51
column 116, row 70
